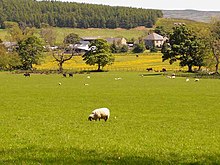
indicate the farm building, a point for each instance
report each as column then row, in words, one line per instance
column 119, row 41
column 154, row 39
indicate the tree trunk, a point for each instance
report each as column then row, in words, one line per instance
column 217, row 63
column 60, row 67
column 99, row 67
column 189, row 68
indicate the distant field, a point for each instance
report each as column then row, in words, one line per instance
column 168, row 23
column 199, row 16
column 104, row 33
column 154, row 120
column 123, row 62
column 128, row 34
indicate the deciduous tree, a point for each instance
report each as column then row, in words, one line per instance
column 30, row 51
column 183, row 46
column 61, row 56
column 71, row 38
column 214, row 40
column 99, row 54
column 48, row 34
column 8, row 60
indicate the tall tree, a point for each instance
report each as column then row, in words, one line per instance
column 214, row 40
column 183, row 46
column 160, row 30
column 8, row 60
column 30, row 51
column 61, row 56
column 48, row 34
column 99, row 54
column 14, row 31
column 71, row 38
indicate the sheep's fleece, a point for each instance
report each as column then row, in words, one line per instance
column 100, row 113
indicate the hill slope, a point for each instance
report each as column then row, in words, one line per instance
column 200, row 16
column 76, row 15
column 168, row 24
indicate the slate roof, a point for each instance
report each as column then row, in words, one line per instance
column 112, row 40
column 154, row 37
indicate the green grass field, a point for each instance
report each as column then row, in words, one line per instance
column 61, row 33
column 168, row 24
column 154, row 120
column 126, row 33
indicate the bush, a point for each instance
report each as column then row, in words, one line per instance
column 139, row 48
column 153, row 49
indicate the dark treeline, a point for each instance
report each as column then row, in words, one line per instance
column 76, row 15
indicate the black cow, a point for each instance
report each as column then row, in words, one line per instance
column 70, row 75
column 164, row 70
column 27, row 75
column 149, row 69
column 64, row 74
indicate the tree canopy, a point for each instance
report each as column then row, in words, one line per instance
column 61, row 56
column 71, row 38
column 29, row 50
column 183, row 46
column 214, row 40
column 77, row 15
column 99, row 54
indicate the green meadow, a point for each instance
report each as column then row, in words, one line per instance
column 61, row 33
column 154, row 119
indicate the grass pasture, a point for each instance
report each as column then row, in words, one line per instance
column 154, row 120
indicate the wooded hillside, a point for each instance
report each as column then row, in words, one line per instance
column 75, row 15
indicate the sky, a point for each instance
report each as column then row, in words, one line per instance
column 204, row 5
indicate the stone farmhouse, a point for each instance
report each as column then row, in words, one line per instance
column 154, row 39
column 119, row 41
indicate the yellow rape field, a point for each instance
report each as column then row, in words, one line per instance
column 123, row 62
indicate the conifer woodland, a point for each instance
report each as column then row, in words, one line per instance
column 75, row 15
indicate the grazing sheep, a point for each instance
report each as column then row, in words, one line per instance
column 118, row 78
column 196, row 80
column 27, row 75
column 173, row 76
column 88, row 77
column 187, row 79
column 101, row 113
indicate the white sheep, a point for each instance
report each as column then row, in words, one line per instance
column 187, row 79
column 196, row 80
column 118, row 78
column 100, row 113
